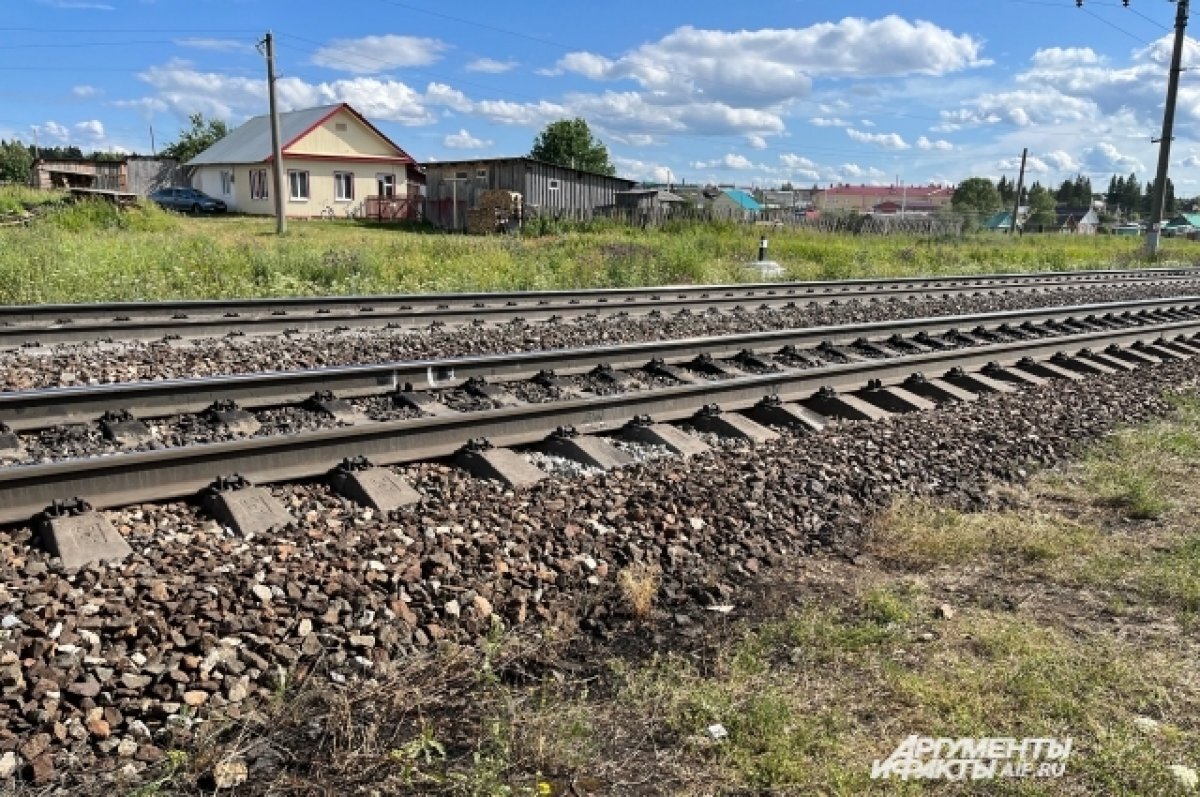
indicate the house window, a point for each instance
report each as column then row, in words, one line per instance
column 343, row 186
column 553, row 186
column 226, row 183
column 385, row 184
column 298, row 185
column 461, row 175
column 481, row 174
column 258, row 184
column 340, row 127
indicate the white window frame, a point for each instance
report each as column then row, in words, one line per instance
column 553, row 185
column 481, row 174
column 343, row 180
column 298, row 178
column 226, row 183
column 385, row 184
column 462, row 175
column 259, row 185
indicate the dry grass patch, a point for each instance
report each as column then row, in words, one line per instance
column 638, row 584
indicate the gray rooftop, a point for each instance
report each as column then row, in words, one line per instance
column 251, row 142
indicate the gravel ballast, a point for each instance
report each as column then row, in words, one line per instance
column 105, row 669
column 83, row 364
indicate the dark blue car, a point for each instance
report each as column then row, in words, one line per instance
column 187, row 200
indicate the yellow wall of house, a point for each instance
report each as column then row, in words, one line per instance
column 321, row 189
column 355, row 139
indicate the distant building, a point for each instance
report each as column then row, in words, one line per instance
column 863, row 198
column 1077, row 221
column 649, row 199
column 737, row 204
column 134, row 174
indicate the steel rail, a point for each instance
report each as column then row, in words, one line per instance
column 34, row 409
column 123, row 479
column 66, row 323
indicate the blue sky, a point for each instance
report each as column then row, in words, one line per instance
column 757, row 93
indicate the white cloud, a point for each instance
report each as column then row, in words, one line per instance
column 184, row 90
column 940, row 144
column 826, row 121
column 1105, row 158
column 1062, row 160
column 374, row 54
column 92, row 129
column 796, row 161
column 1033, row 165
column 866, row 123
column 54, row 131
column 1022, row 108
column 777, row 64
column 732, row 161
column 537, row 114
column 852, row 171
column 464, row 140
column 635, row 169
column 1064, row 57
column 490, row 66
column 756, row 141
column 84, row 91
column 891, row 141
column 450, row 97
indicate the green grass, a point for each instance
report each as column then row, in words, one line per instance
column 91, row 254
column 16, row 198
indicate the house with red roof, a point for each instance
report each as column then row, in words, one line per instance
column 865, row 198
column 333, row 158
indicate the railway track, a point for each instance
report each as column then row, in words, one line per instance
column 806, row 377
column 44, row 325
column 29, row 410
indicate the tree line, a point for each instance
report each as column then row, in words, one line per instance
column 1126, row 198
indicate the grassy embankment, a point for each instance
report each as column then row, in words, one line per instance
column 91, row 252
column 1074, row 614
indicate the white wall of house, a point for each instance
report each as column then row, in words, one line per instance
column 364, row 178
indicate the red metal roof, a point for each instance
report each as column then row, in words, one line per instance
column 898, row 190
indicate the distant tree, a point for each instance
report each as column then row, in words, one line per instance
column 1066, row 192
column 1116, row 187
column 570, row 143
column 1131, row 195
column 976, row 195
column 1007, row 190
column 101, row 155
column 1083, row 191
column 200, row 136
column 1041, row 208
column 1169, row 203
column 15, row 162
column 57, row 153
column 1076, row 193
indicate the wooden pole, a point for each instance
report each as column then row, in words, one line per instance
column 276, row 145
column 1012, row 228
column 1164, row 144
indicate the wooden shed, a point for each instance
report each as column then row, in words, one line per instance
column 455, row 187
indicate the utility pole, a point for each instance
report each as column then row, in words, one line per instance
column 153, row 151
column 276, row 147
column 1012, row 228
column 1164, row 144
